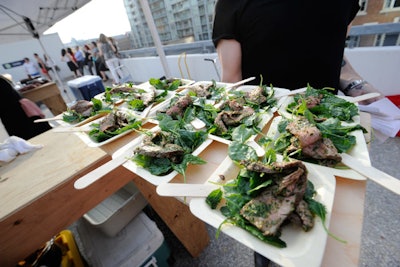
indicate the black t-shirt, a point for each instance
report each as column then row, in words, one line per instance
column 290, row 43
column 13, row 117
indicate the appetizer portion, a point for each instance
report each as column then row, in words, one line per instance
column 267, row 196
column 322, row 105
column 136, row 98
column 114, row 124
column 83, row 110
column 168, row 148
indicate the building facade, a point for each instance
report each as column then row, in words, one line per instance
column 177, row 21
column 378, row 16
column 185, row 21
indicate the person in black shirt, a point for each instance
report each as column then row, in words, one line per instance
column 288, row 43
column 13, row 117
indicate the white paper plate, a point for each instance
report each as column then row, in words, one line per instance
column 84, row 136
column 303, row 248
column 145, row 174
column 359, row 151
column 283, row 112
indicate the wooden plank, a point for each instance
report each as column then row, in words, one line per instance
column 190, row 230
column 26, row 230
column 50, row 95
column 346, row 223
column 34, row 174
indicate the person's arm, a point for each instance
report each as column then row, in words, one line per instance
column 230, row 57
column 352, row 84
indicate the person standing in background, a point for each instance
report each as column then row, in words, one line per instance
column 69, row 59
column 98, row 62
column 107, row 50
column 50, row 64
column 43, row 67
column 80, row 59
column 88, row 58
column 31, row 69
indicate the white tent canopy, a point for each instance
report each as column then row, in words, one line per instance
column 42, row 13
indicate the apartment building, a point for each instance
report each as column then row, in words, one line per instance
column 177, row 21
column 183, row 21
column 380, row 21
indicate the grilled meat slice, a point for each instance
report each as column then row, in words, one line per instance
column 179, row 107
column 161, row 145
column 294, row 183
column 322, row 149
column 113, row 121
column 268, row 211
column 305, row 132
column 122, row 89
column 312, row 101
column 202, row 90
column 305, row 215
column 228, row 118
column 170, row 151
column 256, row 95
column 276, row 203
column 83, row 107
column 148, row 97
column 159, row 138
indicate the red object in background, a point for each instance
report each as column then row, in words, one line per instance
column 395, row 100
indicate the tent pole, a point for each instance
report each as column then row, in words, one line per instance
column 156, row 37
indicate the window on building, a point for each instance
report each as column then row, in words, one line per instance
column 392, row 4
column 387, row 39
column 363, row 5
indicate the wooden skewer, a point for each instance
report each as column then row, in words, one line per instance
column 55, row 118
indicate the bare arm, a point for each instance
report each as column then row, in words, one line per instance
column 348, row 77
column 230, row 56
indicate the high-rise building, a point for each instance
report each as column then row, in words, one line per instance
column 177, row 21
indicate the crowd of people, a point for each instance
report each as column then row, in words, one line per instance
column 94, row 58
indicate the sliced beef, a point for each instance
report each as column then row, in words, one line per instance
column 202, row 90
column 113, row 121
column 161, row 145
column 228, row 118
column 178, row 109
column 305, row 132
column 277, row 203
column 268, row 211
column 322, row 149
column 83, row 107
column 256, row 95
column 122, row 89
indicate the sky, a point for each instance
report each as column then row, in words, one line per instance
column 97, row 16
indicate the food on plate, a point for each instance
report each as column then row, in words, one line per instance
column 178, row 108
column 137, row 98
column 233, row 116
column 169, row 148
column 84, row 109
column 318, row 142
column 169, row 84
column 260, row 97
column 267, row 195
column 161, row 145
column 322, row 104
column 208, row 90
column 115, row 123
